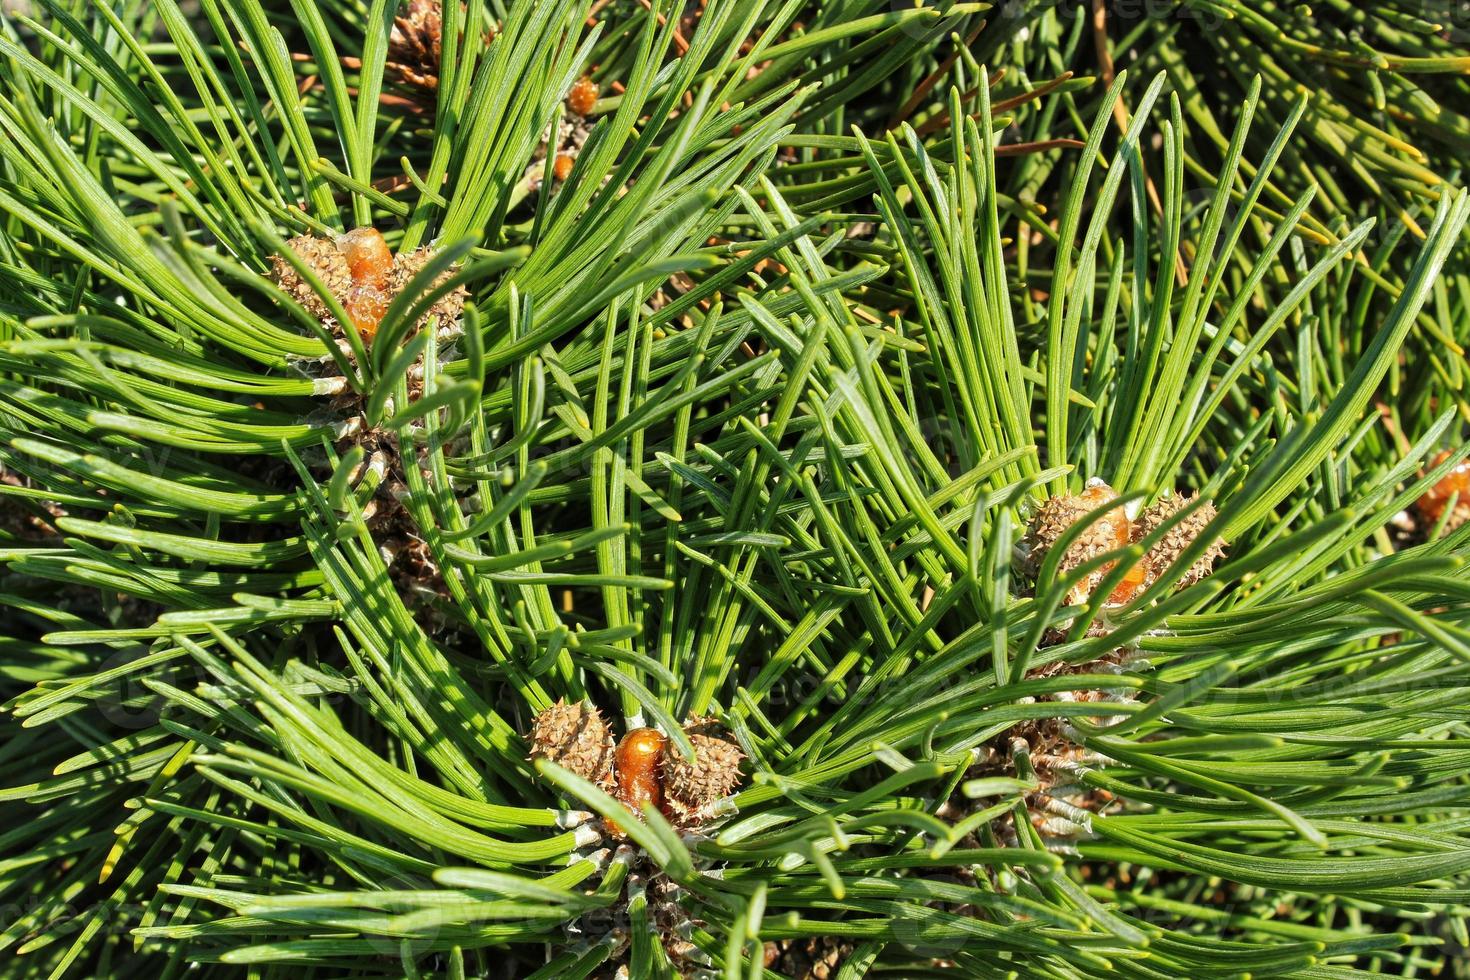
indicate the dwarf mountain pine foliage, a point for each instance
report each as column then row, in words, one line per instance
column 790, row 488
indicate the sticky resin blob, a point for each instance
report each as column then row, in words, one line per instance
column 582, row 97
column 365, row 306
column 368, row 258
column 636, row 767
column 1457, row 481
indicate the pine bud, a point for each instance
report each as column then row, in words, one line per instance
column 363, row 275
column 691, row 785
column 325, row 259
column 638, row 780
column 638, row 757
column 575, row 737
column 1106, row 532
column 449, row 306
column 1051, row 521
column 1179, row 537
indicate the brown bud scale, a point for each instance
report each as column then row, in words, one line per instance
column 325, row 260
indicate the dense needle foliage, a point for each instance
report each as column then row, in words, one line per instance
column 730, row 351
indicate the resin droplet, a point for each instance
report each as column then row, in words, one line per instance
column 1112, row 526
column 561, row 169
column 367, row 254
column 583, row 96
column 636, row 768
column 366, row 306
column 1108, row 531
column 1134, row 581
column 1431, row 506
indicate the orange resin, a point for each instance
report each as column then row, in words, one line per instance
column 366, row 306
column 1133, row 583
column 636, row 766
column 368, row 258
column 583, row 96
column 1114, row 522
column 1457, row 481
